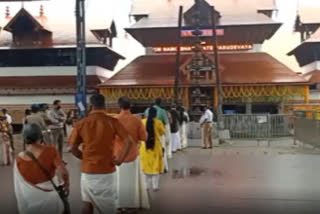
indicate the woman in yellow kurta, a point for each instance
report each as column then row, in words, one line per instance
column 151, row 151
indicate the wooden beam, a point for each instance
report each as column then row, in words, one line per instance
column 186, row 98
column 177, row 71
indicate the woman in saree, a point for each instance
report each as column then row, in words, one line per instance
column 151, row 153
column 33, row 189
column 5, row 151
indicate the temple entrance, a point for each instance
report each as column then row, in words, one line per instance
column 199, row 98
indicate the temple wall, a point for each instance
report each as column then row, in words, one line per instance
column 311, row 67
column 52, row 71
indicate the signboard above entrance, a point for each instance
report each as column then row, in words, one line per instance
column 204, row 32
column 171, row 49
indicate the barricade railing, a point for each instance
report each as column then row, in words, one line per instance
column 257, row 126
column 307, row 131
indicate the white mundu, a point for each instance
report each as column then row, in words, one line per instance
column 132, row 189
column 100, row 190
column 34, row 200
column 183, row 131
column 168, row 141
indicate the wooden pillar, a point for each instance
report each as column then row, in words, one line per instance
column 186, row 98
column 215, row 97
column 306, row 94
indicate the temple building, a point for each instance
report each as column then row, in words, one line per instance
column 38, row 54
column 252, row 81
column 307, row 22
column 307, row 53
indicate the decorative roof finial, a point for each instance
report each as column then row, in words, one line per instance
column 7, row 12
column 41, row 11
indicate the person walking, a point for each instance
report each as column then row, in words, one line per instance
column 10, row 132
column 36, row 118
column 184, row 120
column 206, row 124
column 162, row 116
column 168, row 134
column 34, row 170
column 151, row 150
column 5, row 150
column 27, row 113
column 44, row 112
column 96, row 134
column 70, row 121
column 7, row 115
column 131, row 188
column 57, row 118
column 174, row 127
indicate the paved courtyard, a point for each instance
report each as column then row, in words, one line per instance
column 237, row 178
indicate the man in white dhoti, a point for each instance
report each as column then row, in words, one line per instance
column 168, row 134
column 132, row 190
column 98, row 180
column 184, row 119
column 175, row 134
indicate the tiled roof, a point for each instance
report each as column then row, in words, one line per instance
column 60, row 23
column 313, row 76
column 163, row 8
column 237, row 69
column 309, row 15
column 164, row 13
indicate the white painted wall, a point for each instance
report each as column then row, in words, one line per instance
column 26, row 100
column 29, row 99
column 52, row 71
column 311, row 67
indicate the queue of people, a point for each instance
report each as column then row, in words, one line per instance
column 122, row 156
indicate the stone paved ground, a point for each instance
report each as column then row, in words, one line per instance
column 232, row 178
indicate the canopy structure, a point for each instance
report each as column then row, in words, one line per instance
column 244, row 75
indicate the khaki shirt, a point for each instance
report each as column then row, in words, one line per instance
column 37, row 119
column 57, row 118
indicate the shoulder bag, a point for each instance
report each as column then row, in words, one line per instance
column 59, row 189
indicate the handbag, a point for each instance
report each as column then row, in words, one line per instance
column 63, row 194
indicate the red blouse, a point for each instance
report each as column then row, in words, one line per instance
column 49, row 159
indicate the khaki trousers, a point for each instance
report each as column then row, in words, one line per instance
column 58, row 139
column 207, row 135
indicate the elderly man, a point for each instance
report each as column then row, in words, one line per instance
column 131, row 195
column 96, row 133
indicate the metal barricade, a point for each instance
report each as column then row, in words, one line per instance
column 307, row 131
column 257, row 126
